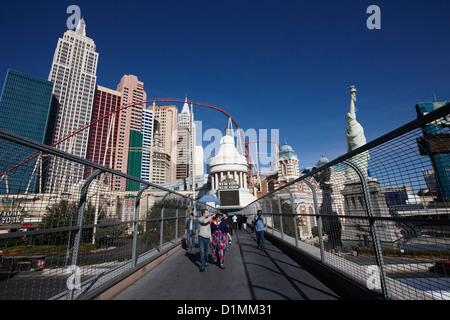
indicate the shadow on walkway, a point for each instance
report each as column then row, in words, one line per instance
column 249, row 274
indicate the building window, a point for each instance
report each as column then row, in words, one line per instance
column 271, row 186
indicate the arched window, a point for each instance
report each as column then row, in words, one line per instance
column 283, row 169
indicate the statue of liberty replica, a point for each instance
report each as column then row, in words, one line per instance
column 355, row 139
column 357, row 231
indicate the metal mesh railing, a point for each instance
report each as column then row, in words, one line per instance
column 378, row 215
column 70, row 228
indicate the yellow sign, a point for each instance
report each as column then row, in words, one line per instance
column 10, row 213
column 228, row 183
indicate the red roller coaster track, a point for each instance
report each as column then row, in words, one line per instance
column 118, row 110
column 246, row 144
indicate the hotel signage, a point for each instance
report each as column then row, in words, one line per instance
column 228, row 183
column 10, row 213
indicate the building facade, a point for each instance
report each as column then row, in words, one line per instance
column 183, row 153
column 147, row 137
column 132, row 91
column 228, row 174
column 185, row 136
column 433, row 144
column 160, row 160
column 73, row 73
column 103, row 134
column 134, row 159
column 27, row 108
column 167, row 117
column 329, row 197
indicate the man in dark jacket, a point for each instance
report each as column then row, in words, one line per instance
column 228, row 222
column 191, row 230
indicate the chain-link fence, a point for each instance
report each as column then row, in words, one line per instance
column 378, row 215
column 75, row 238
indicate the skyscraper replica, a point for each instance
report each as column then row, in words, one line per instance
column 167, row 118
column 103, row 134
column 73, row 73
column 147, row 136
column 159, row 172
column 130, row 119
column 185, row 143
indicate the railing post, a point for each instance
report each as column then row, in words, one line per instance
column 294, row 216
column 319, row 220
column 373, row 227
column 161, row 235
column 271, row 213
column 176, row 220
column 136, row 225
column 79, row 234
column 249, row 212
column 187, row 209
column 281, row 217
column 199, row 208
column 265, row 210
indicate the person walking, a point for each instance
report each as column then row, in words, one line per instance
column 235, row 220
column 191, row 230
column 239, row 222
column 226, row 220
column 204, row 238
column 219, row 233
column 258, row 221
column 244, row 222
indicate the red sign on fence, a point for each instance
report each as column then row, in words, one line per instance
column 40, row 264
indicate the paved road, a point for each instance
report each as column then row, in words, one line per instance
column 249, row 274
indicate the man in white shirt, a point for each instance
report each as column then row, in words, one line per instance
column 235, row 219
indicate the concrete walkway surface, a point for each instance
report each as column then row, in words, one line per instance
column 250, row 274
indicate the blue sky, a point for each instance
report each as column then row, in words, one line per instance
column 273, row 65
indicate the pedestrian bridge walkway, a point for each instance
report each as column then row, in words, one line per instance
column 249, row 274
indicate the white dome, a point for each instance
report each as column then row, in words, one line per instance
column 227, row 158
column 227, row 139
